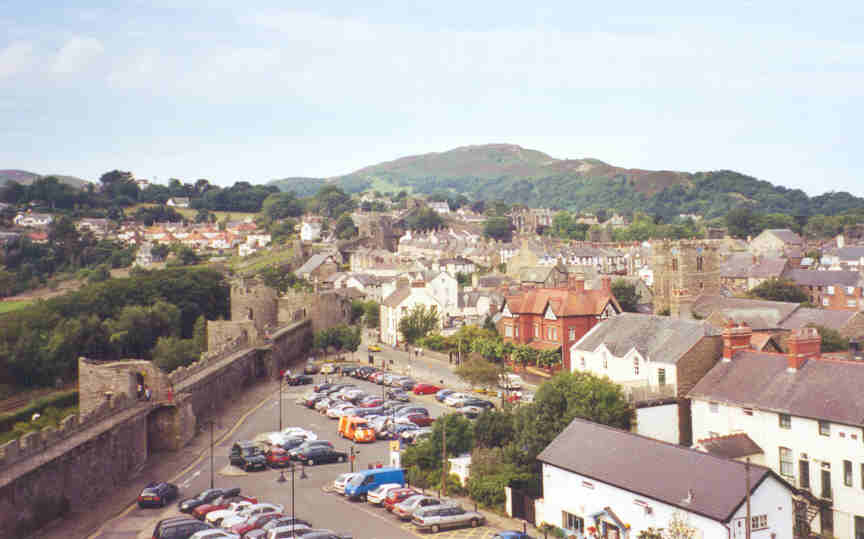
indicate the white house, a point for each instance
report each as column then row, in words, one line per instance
column 178, row 202
column 644, row 353
column 805, row 412
column 33, row 220
column 617, row 484
column 310, row 231
column 456, row 265
column 440, row 207
column 398, row 305
column 445, row 288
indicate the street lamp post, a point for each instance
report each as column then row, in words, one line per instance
column 281, row 380
column 211, row 453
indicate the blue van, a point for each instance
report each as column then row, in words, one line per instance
column 368, row 480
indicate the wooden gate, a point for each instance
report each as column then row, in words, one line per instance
column 522, row 505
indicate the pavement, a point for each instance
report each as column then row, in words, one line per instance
column 251, row 413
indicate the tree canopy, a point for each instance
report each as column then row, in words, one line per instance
column 779, row 290
column 419, row 323
column 626, row 295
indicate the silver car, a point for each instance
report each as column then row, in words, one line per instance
column 438, row 518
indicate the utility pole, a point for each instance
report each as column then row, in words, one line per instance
column 747, row 481
column 444, row 458
column 281, row 378
column 211, row 453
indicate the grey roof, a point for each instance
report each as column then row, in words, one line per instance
column 786, row 235
column 737, row 265
column 853, row 252
column 824, row 278
column 659, row 338
column 743, row 265
column 312, row 264
column 821, row 389
column 398, row 296
column 767, row 268
column 619, row 458
column 732, row 446
column 834, row 319
column 757, row 313
column 535, row 274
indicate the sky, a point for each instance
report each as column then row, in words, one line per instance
column 255, row 91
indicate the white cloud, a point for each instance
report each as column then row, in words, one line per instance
column 77, row 54
column 16, row 58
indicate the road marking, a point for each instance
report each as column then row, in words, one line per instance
column 196, row 462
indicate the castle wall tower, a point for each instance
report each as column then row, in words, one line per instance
column 252, row 301
column 682, row 271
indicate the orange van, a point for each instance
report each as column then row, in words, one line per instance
column 356, row 428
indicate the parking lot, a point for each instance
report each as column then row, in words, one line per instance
column 309, row 501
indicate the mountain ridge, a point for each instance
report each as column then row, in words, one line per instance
column 25, row 177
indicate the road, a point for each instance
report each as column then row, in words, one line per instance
column 311, row 502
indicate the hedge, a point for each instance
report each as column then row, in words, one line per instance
column 60, row 400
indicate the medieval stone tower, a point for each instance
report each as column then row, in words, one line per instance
column 683, row 270
column 251, row 300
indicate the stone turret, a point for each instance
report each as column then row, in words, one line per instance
column 683, row 270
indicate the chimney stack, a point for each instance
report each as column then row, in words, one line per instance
column 803, row 344
column 736, row 337
column 577, row 281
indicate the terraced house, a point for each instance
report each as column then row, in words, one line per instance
column 803, row 415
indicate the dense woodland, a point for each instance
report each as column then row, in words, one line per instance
column 156, row 315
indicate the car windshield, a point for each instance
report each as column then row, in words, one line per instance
column 356, row 480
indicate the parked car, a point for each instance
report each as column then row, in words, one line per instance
column 408, row 410
column 308, row 445
column 356, row 429
column 215, row 518
column 511, row 534
column 288, row 532
column 299, row 432
column 373, row 348
column 425, row 389
column 320, row 455
column 421, row 420
column 188, row 505
column 443, row 394
column 436, row 519
column 456, row 399
column 371, row 402
column 339, row 482
column 214, row 533
column 181, row 527
column 377, row 496
column 406, row 385
column 157, row 494
column 328, row 368
column 277, row 457
column 404, row 509
column 471, row 412
column 255, row 523
column 219, row 504
column 243, row 516
column 298, row 379
column 286, row 522
column 397, row 496
column 398, row 395
column 481, row 403
column 247, row 455
column 510, row 381
column 311, row 368
column 311, row 400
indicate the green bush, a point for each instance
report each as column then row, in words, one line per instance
column 434, row 342
column 61, row 401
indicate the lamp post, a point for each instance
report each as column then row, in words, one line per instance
column 281, row 381
column 281, row 479
column 211, row 454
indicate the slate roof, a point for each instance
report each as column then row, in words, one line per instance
column 535, row 274
column 823, row 389
column 853, row 252
column 564, row 302
column 829, row 318
column 312, row 264
column 758, row 313
column 767, row 268
column 398, row 296
column 786, row 235
column 732, row 446
column 824, row 278
column 619, row 458
column 737, row 265
column 659, row 338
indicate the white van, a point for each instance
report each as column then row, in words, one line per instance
column 510, row 381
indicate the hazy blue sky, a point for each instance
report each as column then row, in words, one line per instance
column 235, row 91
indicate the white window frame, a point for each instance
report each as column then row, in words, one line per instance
column 830, row 290
column 850, row 290
column 508, row 331
column 825, row 302
column 714, row 407
column 758, row 522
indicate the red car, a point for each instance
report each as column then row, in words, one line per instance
column 255, row 522
column 201, row 511
column 425, row 389
column 421, row 420
column 377, row 376
column 397, row 496
column 277, row 457
column 371, row 403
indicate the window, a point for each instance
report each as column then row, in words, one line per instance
column 827, row 493
column 537, row 331
column 850, row 303
column 582, row 361
column 825, row 302
column 748, row 411
column 804, row 474
column 636, row 366
column 830, row 291
column 661, row 377
column 825, row 428
column 785, row 421
column 758, row 522
column 786, row 462
column 517, row 330
column 699, row 264
column 572, row 332
column 850, row 290
column 674, row 264
column 572, row 522
column 713, row 407
column 847, row 473
column 508, row 331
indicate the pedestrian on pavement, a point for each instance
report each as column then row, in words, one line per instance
column 147, row 393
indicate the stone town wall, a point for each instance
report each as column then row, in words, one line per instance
column 100, row 382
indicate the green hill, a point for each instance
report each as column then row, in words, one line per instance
column 26, row 178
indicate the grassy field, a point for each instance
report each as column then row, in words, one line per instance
column 189, row 213
column 252, row 264
column 11, row 306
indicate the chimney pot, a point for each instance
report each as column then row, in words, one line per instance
column 736, row 337
column 804, row 344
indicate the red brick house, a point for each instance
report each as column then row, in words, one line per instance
column 552, row 318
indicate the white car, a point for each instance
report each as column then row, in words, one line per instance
column 214, row 534
column 335, row 411
column 214, row 518
column 299, row 432
column 285, row 532
column 377, row 496
column 246, row 514
column 456, row 399
column 339, row 482
column 510, row 381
